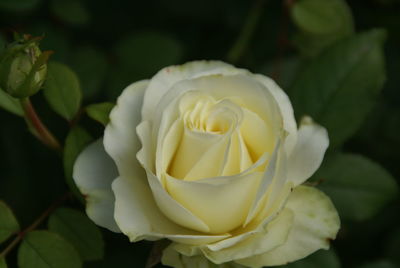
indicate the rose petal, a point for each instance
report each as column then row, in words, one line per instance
column 139, row 217
column 162, row 82
column 171, row 257
column 273, row 236
column 213, row 203
column 316, row 222
column 289, row 122
column 307, row 156
column 120, row 138
column 93, row 173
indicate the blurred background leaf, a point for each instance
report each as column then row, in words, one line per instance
column 43, row 249
column 352, row 71
column 82, row 233
column 62, row 90
column 358, row 187
column 8, row 223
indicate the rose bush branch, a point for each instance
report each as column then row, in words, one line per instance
column 40, row 130
column 34, row 225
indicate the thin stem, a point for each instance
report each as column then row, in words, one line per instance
column 34, row 225
column 244, row 38
column 42, row 133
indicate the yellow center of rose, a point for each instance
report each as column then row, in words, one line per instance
column 217, row 138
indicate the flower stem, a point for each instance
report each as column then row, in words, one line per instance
column 239, row 47
column 34, row 225
column 41, row 131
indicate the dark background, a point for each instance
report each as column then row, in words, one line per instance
column 113, row 43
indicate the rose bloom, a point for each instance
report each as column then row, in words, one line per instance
column 209, row 156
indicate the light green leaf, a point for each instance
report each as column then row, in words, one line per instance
column 75, row 142
column 81, row 232
column 8, row 223
column 321, row 258
column 3, row 263
column 62, row 90
column 100, row 112
column 70, row 11
column 321, row 23
column 358, row 187
column 328, row 89
column 44, row 249
column 10, row 104
column 91, row 66
column 322, row 17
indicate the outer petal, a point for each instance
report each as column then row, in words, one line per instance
column 139, row 217
column 275, row 235
column 172, row 258
column 136, row 211
column 93, row 173
column 309, row 151
column 120, row 138
column 213, row 203
column 316, row 222
column 162, row 82
column 289, row 123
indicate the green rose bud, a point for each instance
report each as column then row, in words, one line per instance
column 23, row 67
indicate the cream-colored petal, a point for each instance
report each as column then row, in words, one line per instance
column 240, row 89
column 191, row 149
column 316, row 222
column 139, row 217
column 93, row 173
column 120, row 138
column 162, row 82
column 238, row 157
column 172, row 258
column 213, row 203
column 256, row 225
column 269, row 176
column 307, row 156
column 274, row 235
column 174, row 210
column 289, row 122
column 257, row 135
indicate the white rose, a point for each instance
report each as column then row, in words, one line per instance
column 209, row 156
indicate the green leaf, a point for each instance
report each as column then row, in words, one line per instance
column 10, row 104
column 349, row 73
column 321, row 23
column 8, row 223
column 358, row 187
column 70, row 11
column 91, row 66
column 100, row 112
column 62, row 90
column 3, row 263
column 81, row 232
column 321, row 258
column 75, row 142
column 322, row 17
column 44, row 249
